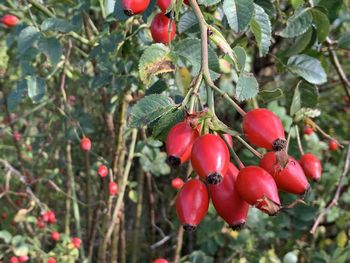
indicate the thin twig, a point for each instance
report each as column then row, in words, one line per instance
column 300, row 146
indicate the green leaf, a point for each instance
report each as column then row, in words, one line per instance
column 238, row 13
column 133, row 196
column 21, row 250
column 27, row 38
column 270, row 95
column 322, row 24
column 57, row 24
column 297, row 3
column 148, row 109
column 268, row 6
column 36, row 88
column 187, row 22
column 119, row 12
column 241, row 57
column 5, row 235
column 305, row 96
column 157, row 88
column 308, row 68
column 344, row 41
column 16, row 96
column 247, row 87
column 261, row 28
column 297, row 24
column 51, row 47
column 155, row 60
column 208, row 2
column 301, row 42
column 168, row 120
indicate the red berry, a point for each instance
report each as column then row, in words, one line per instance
column 263, row 128
column 51, row 260
column 290, row 179
column 159, row 29
column 102, row 170
column 228, row 138
column 76, row 242
column 23, row 259
column 17, row 136
column 179, row 143
column 192, row 204
column 85, row 144
column 227, row 202
column 14, row 259
column 134, row 7
column 311, row 165
column 186, row 2
column 258, row 188
column 52, row 217
column 210, row 158
column 9, row 20
column 308, row 130
column 40, row 223
column 55, row 236
column 332, row 145
column 160, row 260
column 163, row 4
column 113, row 188
column 177, row 183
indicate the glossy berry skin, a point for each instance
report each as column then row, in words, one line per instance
column 332, row 145
column 186, row 2
column 312, row 166
column 14, row 259
column 134, row 7
column 49, row 217
column 51, row 260
column 210, row 158
column 159, row 29
column 9, row 20
column 177, row 183
column 258, row 188
column 290, row 179
column 163, row 4
column 113, row 188
column 227, row 202
column 228, row 138
column 179, row 143
column 55, row 236
column 264, row 129
column 85, row 144
column 40, row 223
column 308, row 130
column 192, row 204
column 23, row 259
column 160, row 260
column 76, row 242
column 102, row 170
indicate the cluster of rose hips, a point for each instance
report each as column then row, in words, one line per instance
column 232, row 190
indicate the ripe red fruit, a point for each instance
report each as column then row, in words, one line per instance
column 210, row 158
column 308, row 130
column 23, row 259
column 177, row 183
column 102, row 170
column 134, row 7
column 192, row 204
column 17, row 136
column 160, row 260
column 263, row 128
column 311, row 165
column 186, row 2
column 51, row 260
column 55, row 236
column 258, row 188
column 163, row 4
column 332, row 145
column 14, row 259
column 9, row 20
column 159, row 29
column 113, row 188
column 228, row 138
column 290, row 179
column 227, row 202
column 49, row 217
column 76, row 242
column 179, row 143
column 85, row 144
column 40, row 223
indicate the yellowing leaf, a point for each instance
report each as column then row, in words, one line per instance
column 342, row 239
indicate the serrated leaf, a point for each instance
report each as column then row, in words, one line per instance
column 36, row 88
column 261, row 28
column 308, row 68
column 238, row 13
column 155, row 60
column 321, row 23
column 51, row 47
column 241, row 57
column 297, row 24
column 344, row 41
column 5, row 236
column 57, row 24
column 168, row 120
column 247, row 87
column 148, row 109
column 268, row 6
column 208, row 2
column 27, row 38
column 270, row 95
column 187, row 21
column 305, row 96
column 301, row 42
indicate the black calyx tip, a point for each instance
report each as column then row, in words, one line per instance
column 173, row 161
column 128, row 12
column 279, row 144
column 170, row 15
column 189, row 228
column 307, row 191
column 214, row 178
column 238, row 227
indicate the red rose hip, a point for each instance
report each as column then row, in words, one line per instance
column 76, row 242
column 227, row 202
column 113, row 188
column 102, row 170
column 51, row 260
column 9, row 20
column 192, row 204
column 333, row 145
column 163, row 4
column 308, row 130
column 55, row 236
column 159, row 29
column 160, row 260
column 210, row 158
column 177, row 183
column 134, row 7
column 312, row 166
column 23, row 259
column 85, row 144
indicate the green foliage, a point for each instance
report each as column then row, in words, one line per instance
column 298, row 24
column 261, row 27
column 238, row 13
